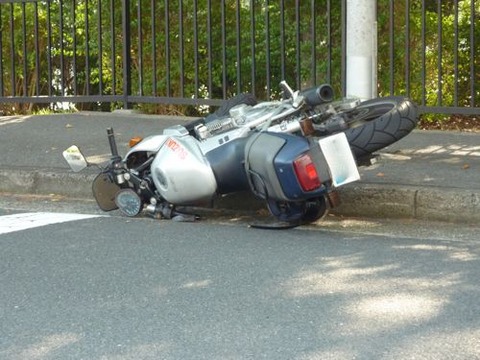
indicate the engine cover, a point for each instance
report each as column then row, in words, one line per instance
column 181, row 173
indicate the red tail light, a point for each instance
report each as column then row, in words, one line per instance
column 306, row 173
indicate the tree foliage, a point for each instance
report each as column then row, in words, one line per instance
column 433, row 49
column 206, row 49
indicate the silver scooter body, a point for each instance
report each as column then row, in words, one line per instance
column 180, row 171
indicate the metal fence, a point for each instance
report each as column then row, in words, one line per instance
column 102, row 54
column 433, row 53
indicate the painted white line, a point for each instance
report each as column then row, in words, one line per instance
column 17, row 222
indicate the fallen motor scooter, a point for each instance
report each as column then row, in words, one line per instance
column 292, row 153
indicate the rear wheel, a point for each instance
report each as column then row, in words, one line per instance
column 301, row 212
column 377, row 123
column 315, row 209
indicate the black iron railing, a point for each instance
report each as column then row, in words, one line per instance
column 121, row 53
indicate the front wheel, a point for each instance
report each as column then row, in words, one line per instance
column 377, row 123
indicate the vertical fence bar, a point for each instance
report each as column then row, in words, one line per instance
column 344, row 48
column 62, row 50
column 100, row 48
column 407, row 47
column 313, row 35
column 24, row 49
column 282, row 39
column 167, row 47
column 209, row 48
column 195, row 46
column 182, row 50
column 2, row 92
column 424, row 56
column 37, row 51
column 140, row 47
column 87, row 50
column 472, row 53
column 253, row 69
column 12, row 51
column 392, row 46
column 113, row 48
column 49, row 49
column 238, row 49
column 154, row 47
column 440, row 47
column 267, row 48
column 298, row 68
column 74, row 36
column 127, row 74
column 224, row 49
column 329, row 43
column 455, row 54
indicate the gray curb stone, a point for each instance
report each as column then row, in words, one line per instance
column 358, row 200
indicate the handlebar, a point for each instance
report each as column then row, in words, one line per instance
column 318, row 95
column 313, row 96
column 111, row 141
column 116, row 159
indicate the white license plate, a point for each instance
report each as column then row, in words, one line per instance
column 340, row 160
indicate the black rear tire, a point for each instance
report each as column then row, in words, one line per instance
column 380, row 122
column 302, row 212
column 315, row 209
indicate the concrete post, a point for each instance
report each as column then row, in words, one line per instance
column 361, row 49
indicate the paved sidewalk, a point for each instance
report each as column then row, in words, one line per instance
column 428, row 175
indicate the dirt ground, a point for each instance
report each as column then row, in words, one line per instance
column 454, row 122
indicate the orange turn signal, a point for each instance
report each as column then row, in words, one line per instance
column 134, row 141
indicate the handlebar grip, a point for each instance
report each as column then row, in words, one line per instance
column 318, row 95
column 111, row 141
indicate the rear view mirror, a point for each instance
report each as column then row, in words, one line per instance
column 75, row 159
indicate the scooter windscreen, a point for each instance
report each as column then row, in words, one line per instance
column 104, row 191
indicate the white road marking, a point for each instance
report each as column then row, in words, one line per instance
column 22, row 221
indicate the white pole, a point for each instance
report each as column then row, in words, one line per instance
column 361, row 49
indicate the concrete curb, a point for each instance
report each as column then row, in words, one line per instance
column 357, row 200
column 410, row 202
column 44, row 182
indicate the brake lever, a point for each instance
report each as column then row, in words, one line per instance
column 297, row 100
column 287, row 89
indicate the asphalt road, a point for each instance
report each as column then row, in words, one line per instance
column 119, row 288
